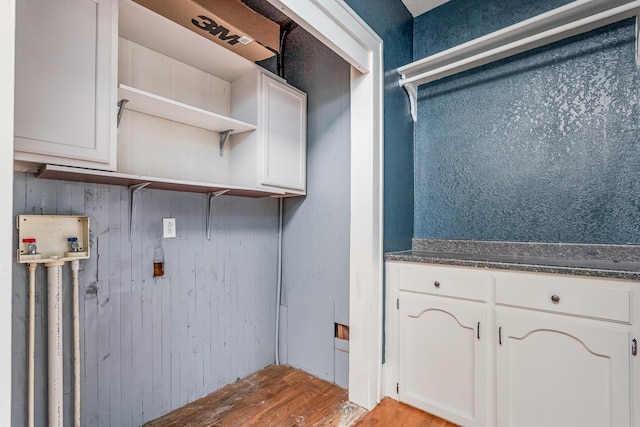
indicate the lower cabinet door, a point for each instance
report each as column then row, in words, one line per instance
column 442, row 357
column 555, row 370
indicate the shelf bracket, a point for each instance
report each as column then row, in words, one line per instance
column 210, row 209
column 638, row 40
column 133, row 190
column 412, row 91
column 224, row 136
column 121, row 105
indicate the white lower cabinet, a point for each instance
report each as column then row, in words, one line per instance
column 556, row 370
column 443, row 357
column 564, row 351
column 557, row 350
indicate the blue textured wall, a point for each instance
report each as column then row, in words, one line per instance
column 540, row 147
column 393, row 23
column 459, row 21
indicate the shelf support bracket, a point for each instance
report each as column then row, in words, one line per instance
column 412, row 91
column 210, row 209
column 224, row 136
column 133, row 190
column 638, row 40
column 121, row 105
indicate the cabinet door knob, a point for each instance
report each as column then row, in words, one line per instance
column 555, row 298
column 436, row 284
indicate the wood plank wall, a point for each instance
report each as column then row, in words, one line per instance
column 150, row 345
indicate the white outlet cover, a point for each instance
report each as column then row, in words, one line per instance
column 168, row 228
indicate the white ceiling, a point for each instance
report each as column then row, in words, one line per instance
column 418, row 7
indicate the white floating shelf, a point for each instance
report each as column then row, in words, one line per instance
column 67, row 173
column 572, row 19
column 155, row 105
column 139, row 24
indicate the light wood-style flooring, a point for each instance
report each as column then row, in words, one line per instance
column 392, row 413
column 281, row 396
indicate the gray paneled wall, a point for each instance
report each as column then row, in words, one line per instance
column 151, row 345
column 316, row 228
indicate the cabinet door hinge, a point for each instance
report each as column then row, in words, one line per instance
column 397, row 303
column 398, row 388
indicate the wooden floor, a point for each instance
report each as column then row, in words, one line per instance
column 281, row 396
column 392, row 413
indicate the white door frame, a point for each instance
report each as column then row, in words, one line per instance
column 335, row 24
column 7, row 48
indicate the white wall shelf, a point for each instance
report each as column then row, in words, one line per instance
column 572, row 19
column 155, row 105
column 66, row 173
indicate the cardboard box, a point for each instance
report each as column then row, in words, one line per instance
column 228, row 23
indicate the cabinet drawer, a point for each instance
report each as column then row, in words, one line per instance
column 565, row 296
column 443, row 281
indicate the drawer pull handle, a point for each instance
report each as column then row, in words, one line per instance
column 555, row 298
column 436, row 284
column 634, row 347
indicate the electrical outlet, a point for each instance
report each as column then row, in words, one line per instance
column 168, row 228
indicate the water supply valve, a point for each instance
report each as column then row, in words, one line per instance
column 60, row 238
column 75, row 246
column 32, row 247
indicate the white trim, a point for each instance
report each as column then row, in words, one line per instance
column 7, row 47
column 334, row 24
column 337, row 26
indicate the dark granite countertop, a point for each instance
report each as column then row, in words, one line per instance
column 606, row 261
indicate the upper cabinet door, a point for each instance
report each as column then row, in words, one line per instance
column 65, row 98
column 285, row 135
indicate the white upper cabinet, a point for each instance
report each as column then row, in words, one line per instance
column 65, row 87
column 284, row 138
column 187, row 94
column 184, row 98
column 275, row 155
